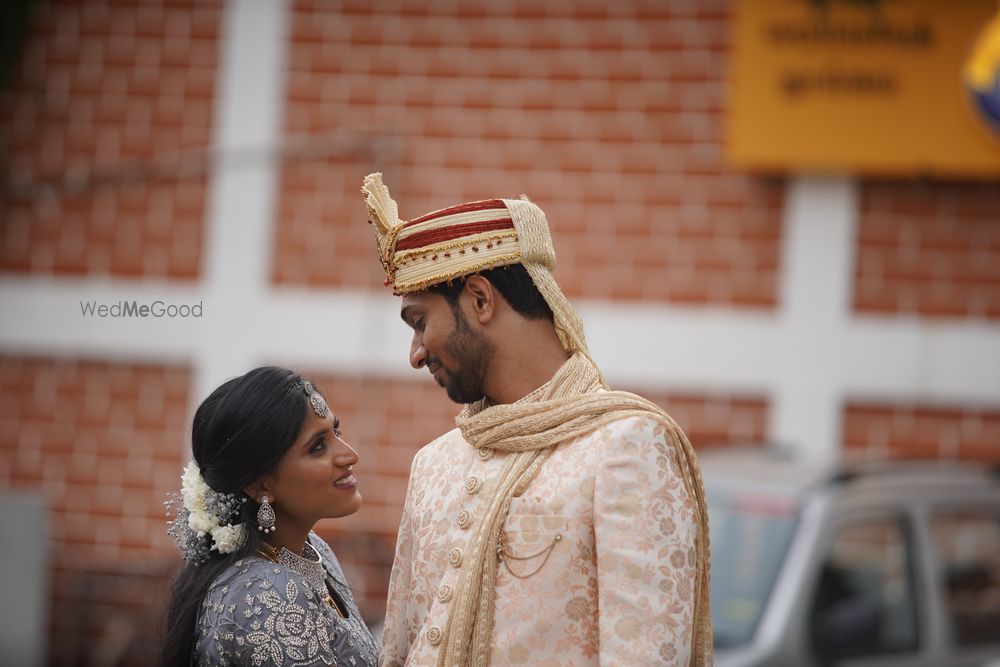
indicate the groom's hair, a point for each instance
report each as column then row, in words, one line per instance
column 512, row 281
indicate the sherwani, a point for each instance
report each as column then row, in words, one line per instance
column 605, row 540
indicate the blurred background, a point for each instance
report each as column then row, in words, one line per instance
column 779, row 219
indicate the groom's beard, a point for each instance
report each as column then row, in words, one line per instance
column 472, row 354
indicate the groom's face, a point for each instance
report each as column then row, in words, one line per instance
column 444, row 342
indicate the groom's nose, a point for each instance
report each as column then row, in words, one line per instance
column 418, row 355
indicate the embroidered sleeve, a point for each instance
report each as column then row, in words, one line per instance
column 268, row 617
column 645, row 543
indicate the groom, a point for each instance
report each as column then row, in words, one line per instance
column 561, row 523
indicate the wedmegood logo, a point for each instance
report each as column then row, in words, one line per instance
column 123, row 309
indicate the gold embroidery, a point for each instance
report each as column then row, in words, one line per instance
column 465, row 270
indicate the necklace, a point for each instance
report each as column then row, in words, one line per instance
column 309, row 565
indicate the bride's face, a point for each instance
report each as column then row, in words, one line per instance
column 314, row 478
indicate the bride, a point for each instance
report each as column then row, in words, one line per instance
column 258, row 587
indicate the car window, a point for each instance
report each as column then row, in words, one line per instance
column 750, row 534
column 864, row 602
column 967, row 545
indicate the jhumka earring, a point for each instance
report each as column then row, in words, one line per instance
column 265, row 516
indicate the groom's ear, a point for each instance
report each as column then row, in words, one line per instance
column 482, row 297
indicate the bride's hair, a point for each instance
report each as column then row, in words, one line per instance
column 239, row 434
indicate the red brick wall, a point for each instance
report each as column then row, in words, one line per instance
column 103, row 444
column 884, row 430
column 608, row 115
column 929, row 249
column 106, row 95
column 711, row 420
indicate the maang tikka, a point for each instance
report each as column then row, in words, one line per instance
column 316, row 400
column 265, row 516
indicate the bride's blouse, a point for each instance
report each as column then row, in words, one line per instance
column 260, row 612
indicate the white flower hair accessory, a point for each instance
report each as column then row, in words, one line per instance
column 202, row 512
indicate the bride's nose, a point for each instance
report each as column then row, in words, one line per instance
column 346, row 455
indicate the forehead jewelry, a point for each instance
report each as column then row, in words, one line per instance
column 316, row 401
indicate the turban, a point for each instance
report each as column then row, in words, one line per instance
column 462, row 240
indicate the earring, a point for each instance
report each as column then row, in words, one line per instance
column 265, row 516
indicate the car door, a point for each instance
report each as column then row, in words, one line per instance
column 862, row 610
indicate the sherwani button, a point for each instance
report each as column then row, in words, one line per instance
column 444, row 593
column 455, row 557
column 464, row 519
column 473, row 484
column 434, row 635
column 485, row 453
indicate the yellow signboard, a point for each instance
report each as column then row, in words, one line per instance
column 890, row 87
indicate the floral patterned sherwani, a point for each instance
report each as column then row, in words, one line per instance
column 614, row 532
